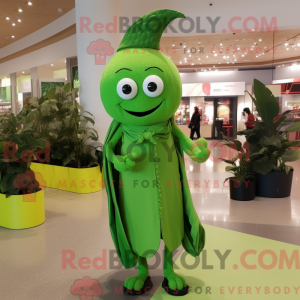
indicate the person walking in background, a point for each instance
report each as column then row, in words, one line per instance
column 195, row 124
column 250, row 119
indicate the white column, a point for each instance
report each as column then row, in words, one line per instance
column 14, row 96
column 95, row 11
column 68, row 66
column 34, row 81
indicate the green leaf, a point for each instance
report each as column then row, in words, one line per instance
column 288, row 169
column 15, row 169
column 253, row 139
column 32, row 116
column 34, row 101
column 290, row 155
column 265, row 167
column 89, row 120
column 294, row 127
column 2, row 147
column 67, row 87
column 229, row 168
column 271, row 141
column 266, row 103
column 51, row 94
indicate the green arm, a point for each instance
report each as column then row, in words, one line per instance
column 198, row 154
column 121, row 163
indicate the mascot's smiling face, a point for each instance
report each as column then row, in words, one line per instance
column 140, row 87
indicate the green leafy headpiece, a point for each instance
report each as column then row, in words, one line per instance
column 147, row 31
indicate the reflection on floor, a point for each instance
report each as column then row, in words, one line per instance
column 34, row 263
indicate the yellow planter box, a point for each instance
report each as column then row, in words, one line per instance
column 22, row 211
column 82, row 181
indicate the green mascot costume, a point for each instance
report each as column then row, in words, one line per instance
column 146, row 183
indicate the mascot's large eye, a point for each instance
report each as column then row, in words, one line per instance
column 153, row 86
column 127, row 89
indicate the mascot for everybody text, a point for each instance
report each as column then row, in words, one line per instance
column 146, row 183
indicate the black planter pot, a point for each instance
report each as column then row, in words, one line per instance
column 274, row 184
column 242, row 192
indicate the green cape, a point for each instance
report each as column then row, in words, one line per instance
column 194, row 234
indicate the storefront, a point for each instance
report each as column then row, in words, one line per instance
column 217, row 105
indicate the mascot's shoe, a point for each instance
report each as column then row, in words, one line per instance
column 145, row 289
column 169, row 291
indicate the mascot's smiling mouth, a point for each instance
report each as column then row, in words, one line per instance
column 143, row 113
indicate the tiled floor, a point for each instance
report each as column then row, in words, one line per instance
column 32, row 261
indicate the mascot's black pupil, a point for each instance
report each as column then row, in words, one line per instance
column 126, row 89
column 152, row 87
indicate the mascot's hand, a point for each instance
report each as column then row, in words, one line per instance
column 125, row 163
column 201, row 153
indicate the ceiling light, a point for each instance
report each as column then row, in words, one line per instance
column 216, row 54
column 227, row 56
column 206, row 56
column 23, row 72
column 219, row 63
column 286, row 44
column 13, row 36
column 184, row 46
column 287, row 48
column 221, row 44
column 173, row 45
column 60, row 10
column 224, row 57
column 298, row 44
column 29, row 3
column 243, row 55
column 192, row 64
column 13, row 24
column 188, row 51
column 7, row 18
column 256, row 55
column 20, row 9
column 199, row 58
column 283, row 65
column 260, row 40
column 190, row 55
column 263, row 53
column 65, row 61
column 52, row 65
column 253, row 29
column 19, row 20
column 204, row 70
column 235, row 60
column 238, row 48
column 180, row 62
column 209, row 69
column 228, row 62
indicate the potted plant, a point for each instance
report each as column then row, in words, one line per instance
column 21, row 196
column 59, row 119
column 242, row 183
column 270, row 139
